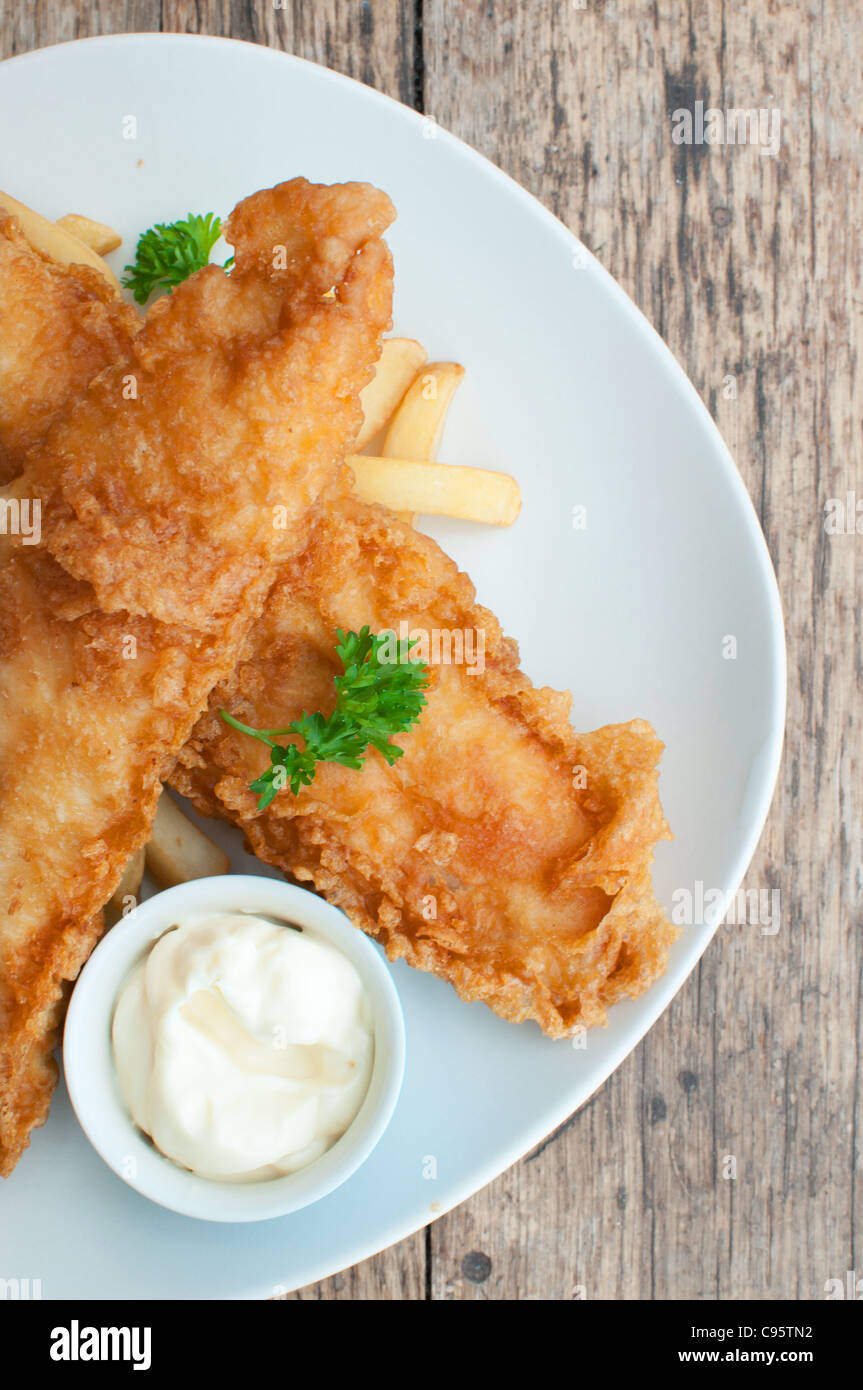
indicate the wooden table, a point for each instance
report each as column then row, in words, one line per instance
column 749, row 266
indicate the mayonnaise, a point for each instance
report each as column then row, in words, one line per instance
column 243, row 1048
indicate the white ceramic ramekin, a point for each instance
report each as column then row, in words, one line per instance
column 92, row 1081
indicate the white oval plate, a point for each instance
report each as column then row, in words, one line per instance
column 569, row 389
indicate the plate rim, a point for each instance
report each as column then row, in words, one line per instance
column 669, row 985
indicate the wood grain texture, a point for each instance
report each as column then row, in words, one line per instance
column 28, row 24
column 749, row 266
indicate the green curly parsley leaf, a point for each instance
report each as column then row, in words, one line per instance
column 170, row 252
column 378, row 694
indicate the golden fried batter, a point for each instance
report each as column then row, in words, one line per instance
column 505, row 852
column 170, row 491
column 59, row 327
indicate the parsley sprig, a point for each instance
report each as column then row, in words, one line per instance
column 170, row 252
column 379, row 693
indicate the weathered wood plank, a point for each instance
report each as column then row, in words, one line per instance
column 24, row 26
column 371, row 42
column 749, row 265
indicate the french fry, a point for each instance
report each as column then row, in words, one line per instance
column 416, row 428
column 96, row 235
column 439, row 489
column 398, row 364
column 178, row 851
column 55, row 242
column 127, row 888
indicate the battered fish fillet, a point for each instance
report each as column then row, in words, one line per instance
column 504, row 852
column 59, row 328
column 170, row 491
